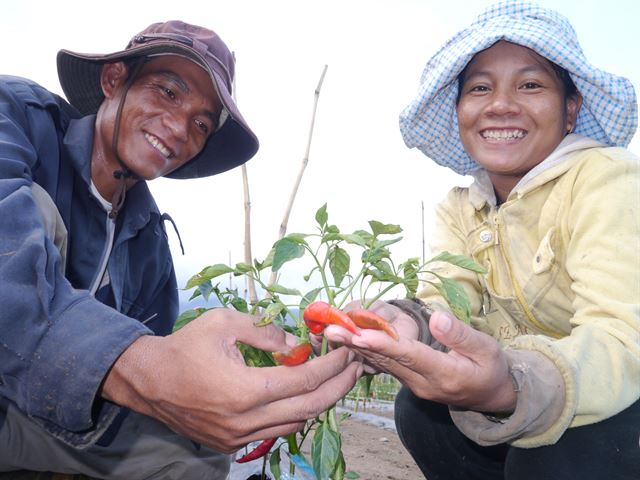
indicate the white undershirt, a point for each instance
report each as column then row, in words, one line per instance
column 102, row 277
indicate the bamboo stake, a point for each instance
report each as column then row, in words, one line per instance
column 248, row 257
column 305, row 161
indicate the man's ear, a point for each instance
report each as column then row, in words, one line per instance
column 112, row 76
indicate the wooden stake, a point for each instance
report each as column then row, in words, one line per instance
column 305, row 161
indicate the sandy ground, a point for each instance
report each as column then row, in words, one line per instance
column 371, row 447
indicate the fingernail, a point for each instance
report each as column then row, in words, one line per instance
column 445, row 322
column 351, row 356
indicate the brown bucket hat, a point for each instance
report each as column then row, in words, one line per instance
column 231, row 145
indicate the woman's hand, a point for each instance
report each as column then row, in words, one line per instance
column 473, row 374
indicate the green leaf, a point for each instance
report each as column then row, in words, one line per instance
column 341, row 466
column 242, row 268
column 374, row 255
column 268, row 261
column 385, row 243
column 297, row 238
column 274, row 463
column 410, row 273
column 460, row 261
column 366, row 236
column 240, row 304
column 309, row 297
column 187, row 316
column 322, row 216
column 384, row 228
column 270, row 313
column 205, row 289
column 285, row 251
column 325, row 451
column 333, row 229
column 207, row 274
column 351, row 475
column 339, row 262
column 455, row 296
column 356, row 239
column 275, row 288
column 332, row 237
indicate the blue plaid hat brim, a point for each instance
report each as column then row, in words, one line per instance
column 609, row 110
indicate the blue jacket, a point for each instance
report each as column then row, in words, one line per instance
column 57, row 341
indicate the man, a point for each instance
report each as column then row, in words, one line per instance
column 91, row 380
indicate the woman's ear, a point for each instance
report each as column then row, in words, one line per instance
column 573, row 105
column 112, row 76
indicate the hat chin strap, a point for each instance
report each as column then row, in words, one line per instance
column 117, row 201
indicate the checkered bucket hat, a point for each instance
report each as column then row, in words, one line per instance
column 609, row 110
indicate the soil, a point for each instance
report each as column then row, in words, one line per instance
column 370, row 445
column 376, row 453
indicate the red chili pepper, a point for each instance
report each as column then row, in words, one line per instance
column 368, row 319
column 297, row 355
column 260, row 451
column 319, row 314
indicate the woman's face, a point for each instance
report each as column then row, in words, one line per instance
column 512, row 112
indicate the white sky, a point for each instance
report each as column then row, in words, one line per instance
column 375, row 51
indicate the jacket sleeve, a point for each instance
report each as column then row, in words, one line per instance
column 56, row 343
column 600, row 359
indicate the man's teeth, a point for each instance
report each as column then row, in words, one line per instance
column 157, row 144
column 503, row 134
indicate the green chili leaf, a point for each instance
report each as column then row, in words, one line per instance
column 322, row 216
column 374, row 255
column 242, row 268
column 207, row 274
column 297, row 238
column 455, row 296
column 366, row 236
column 351, row 475
column 333, row 229
column 240, row 304
column 460, row 261
column 384, row 243
column 339, row 262
column 356, row 239
column 410, row 273
column 270, row 313
column 275, row 288
column 325, row 450
column 267, row 262
column 285, row 251
column 309, row 297
column 341, row 466
column 274, row 463
column 383, row 228
column 331, row 237
column 187, row 316
column 205, row 289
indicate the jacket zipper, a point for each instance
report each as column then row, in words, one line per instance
column 516, row 287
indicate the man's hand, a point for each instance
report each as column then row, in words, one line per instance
column 474, row 373
column 196, row 382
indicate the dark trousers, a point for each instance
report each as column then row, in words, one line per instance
column 606, row 450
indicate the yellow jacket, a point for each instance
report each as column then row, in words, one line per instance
column 563, row 286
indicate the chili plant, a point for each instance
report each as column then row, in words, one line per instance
column 331, row 270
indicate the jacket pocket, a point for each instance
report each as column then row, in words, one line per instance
column 545, row 256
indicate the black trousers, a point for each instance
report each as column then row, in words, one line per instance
column 608, row 450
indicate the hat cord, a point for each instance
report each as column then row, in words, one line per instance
column 117, row 201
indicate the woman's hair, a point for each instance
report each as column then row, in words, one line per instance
column 570, row 89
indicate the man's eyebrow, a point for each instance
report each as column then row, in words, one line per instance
column 175, row 78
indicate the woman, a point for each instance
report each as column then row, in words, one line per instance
column 546, row 384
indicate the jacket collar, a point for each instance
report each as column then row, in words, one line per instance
column 78, row 142
column 481, row 190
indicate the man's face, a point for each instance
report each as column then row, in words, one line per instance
column 170, row 111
